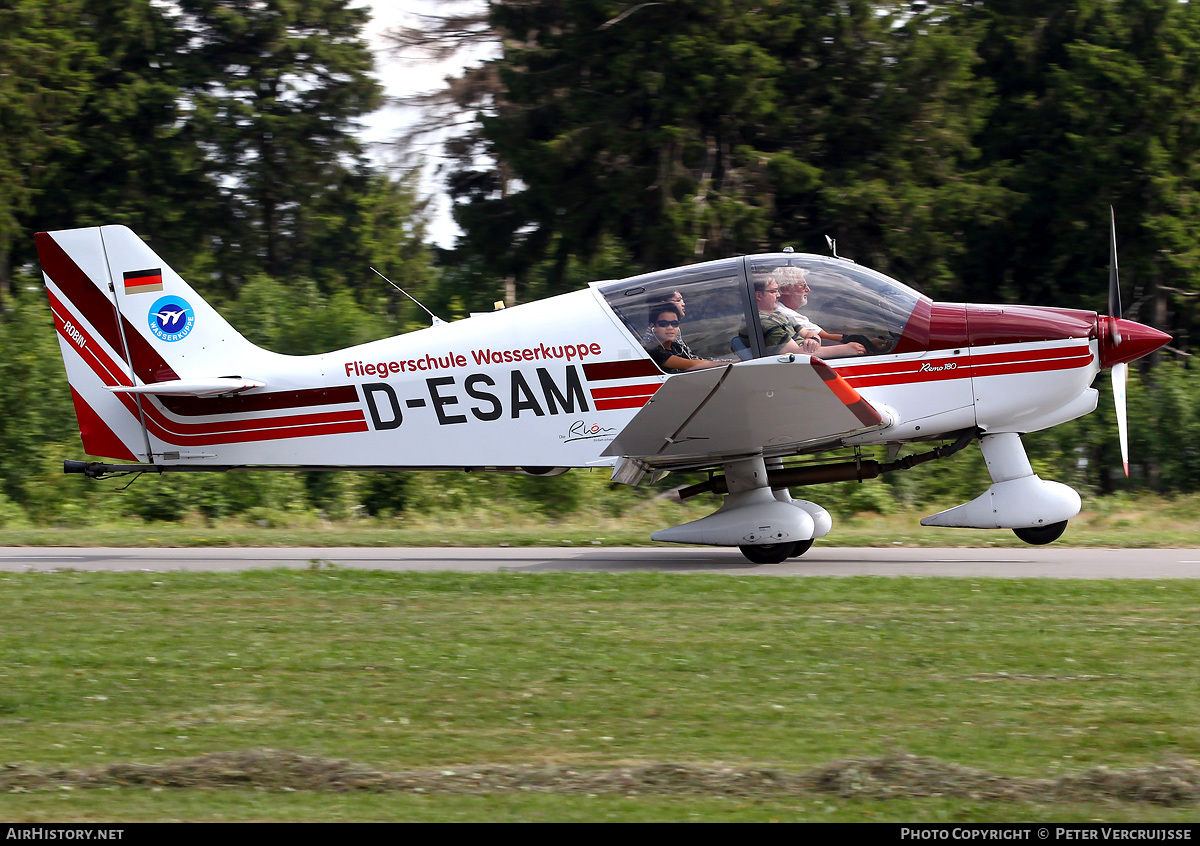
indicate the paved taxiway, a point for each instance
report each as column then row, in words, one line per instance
column 1027, row 562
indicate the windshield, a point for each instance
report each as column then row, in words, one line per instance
column 841, row 301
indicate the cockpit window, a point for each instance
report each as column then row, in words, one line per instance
column 711, row 298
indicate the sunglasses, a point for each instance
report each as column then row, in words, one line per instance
column 663, row 324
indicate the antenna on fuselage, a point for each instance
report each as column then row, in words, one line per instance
column 434, row 317
column 832, row 242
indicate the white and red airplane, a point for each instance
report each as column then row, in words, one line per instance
column 160, row 379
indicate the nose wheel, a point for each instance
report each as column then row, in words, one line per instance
column 1039, row 535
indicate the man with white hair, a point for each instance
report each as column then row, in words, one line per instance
column 793, row 296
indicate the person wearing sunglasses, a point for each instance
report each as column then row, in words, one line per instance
column 666, row 350
column 675, row 298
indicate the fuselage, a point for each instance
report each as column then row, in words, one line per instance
column 551, row 383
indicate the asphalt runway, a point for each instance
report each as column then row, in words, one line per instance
column 1057, row 562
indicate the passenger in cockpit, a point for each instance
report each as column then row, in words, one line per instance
column 667, row 351
column 675, row 298
column 780, row 333
column 793, row 296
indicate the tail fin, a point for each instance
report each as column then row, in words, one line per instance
column 129, row 325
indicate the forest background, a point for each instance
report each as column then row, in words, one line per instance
column 970, row 149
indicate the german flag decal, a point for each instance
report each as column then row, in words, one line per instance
column 143, row 281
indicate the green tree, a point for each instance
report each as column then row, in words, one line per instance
column 274, row 88
column 35, row 402
column 1097, row 104
column 134, row 157
column 694, row 129
column 45, row 69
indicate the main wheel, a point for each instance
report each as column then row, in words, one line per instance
column 768, row 553
column 1042, row 534
column 801, row 547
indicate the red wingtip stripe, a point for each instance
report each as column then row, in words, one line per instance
column 859, row 407
column 865, row 412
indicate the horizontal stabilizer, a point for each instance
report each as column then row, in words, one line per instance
column 213, row 387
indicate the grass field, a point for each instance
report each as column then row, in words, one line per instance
column 329, row 694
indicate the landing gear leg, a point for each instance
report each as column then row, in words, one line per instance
column 1036, row 510
column 751, row 518
column 822, row 522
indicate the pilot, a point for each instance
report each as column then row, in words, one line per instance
column 779, row 332
column 666, row 349
column 793, row 296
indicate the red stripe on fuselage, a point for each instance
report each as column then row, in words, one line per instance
column 962, row 367
column 1031, row 361
column 602, row 370
column 621, row 402
column 625, row 391
column 306, row 398
column 301, row 426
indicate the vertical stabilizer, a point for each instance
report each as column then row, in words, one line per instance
column 126, row 320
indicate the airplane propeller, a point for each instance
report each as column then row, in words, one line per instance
column 1120, row 371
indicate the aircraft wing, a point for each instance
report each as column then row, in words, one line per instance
column 744, row 409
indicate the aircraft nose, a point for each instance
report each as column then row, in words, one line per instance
column 1136, row 340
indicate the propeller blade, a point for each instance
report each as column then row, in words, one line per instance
column 1120, row 379
column 1114, row 283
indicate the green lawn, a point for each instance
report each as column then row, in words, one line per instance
column 593, row 674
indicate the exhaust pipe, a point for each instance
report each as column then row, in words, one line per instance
column 859, row 470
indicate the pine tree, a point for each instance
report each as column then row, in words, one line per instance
column 275, row 87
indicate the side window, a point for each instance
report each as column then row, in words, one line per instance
column 713, row 316
column 711, row 298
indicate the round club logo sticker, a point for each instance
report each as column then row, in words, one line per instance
column 171, row 319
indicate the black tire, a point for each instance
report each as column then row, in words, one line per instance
column 801, row 547
column 768, row 553
column 1039, row 535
